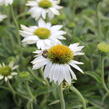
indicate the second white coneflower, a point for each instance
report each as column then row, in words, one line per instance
column 42, row 8
column 57, row 62
column 44, row 35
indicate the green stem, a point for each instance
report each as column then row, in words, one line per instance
column 62, row 101
column 16, row 23
column 29, row 90
column 32, row 99
column 23, row 96
column 11, row 88
column 35, row 76
column 102, row 75
column 99, row 28
column 29, row 105
column 80, row 95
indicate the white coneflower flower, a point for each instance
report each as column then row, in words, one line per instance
column 44, row 35
column 6, row 2
column 42, row 8
column 2, row 17
column 7, row 71
column 57, row 62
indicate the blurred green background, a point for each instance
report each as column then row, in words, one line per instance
column 86, row 22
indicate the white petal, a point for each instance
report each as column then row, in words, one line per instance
column 30, row 40
column 35, row 12
column 14, row 73
column 1, row 77
column 31, row 3
column 67, row 75
column 72, row 73
column 40, row 63
column 61, row 75
column 9, row 77
column 55, row 11
column 43, row 44
column 47, row 70
column 6, row 79
column 38, row 51
column 44, row 14
column 56, row 27
column 2, row 17
column 15, row 67
column 50, row 15
column 76, row 67
column 41, row 23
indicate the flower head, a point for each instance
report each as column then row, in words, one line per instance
column 57, row 62
column 6, row 71
column 44, row 35
column 2, row 17
column 6, row 2
column 42, row 8
column 103, row 46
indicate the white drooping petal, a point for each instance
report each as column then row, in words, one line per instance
column 61, row 76
column 57, row 73
column 47, row 70
column 76, row 67
column 67, row 75
column 72, row 73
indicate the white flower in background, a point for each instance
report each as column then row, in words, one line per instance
column 57, row 62
column 44, row 35
column 6, row 2
column 43, row 8
column 7, row 71
column 2, row 17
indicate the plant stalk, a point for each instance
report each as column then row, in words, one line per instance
column 62, row 101
column 80, row 95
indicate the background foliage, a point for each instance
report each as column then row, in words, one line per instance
column 86, row 22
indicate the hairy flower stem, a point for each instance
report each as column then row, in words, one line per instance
column 16, row 23
column 102, row 75
column 11, row 88
column 32, row 99
column 62, row 101
column 99, row 28
column 80, row 95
